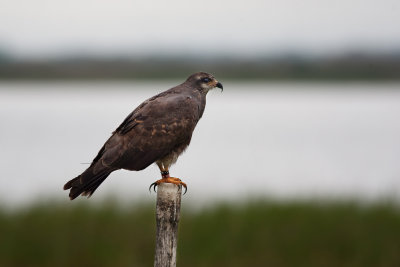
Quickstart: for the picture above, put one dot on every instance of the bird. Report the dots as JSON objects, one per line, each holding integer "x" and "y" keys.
{"x": 157, "y": 131}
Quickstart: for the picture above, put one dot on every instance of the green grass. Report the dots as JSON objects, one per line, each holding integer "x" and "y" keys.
{"x": 263, "y": 233}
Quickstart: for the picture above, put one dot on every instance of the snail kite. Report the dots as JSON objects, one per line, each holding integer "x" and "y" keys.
{"x": 158, "y": 130}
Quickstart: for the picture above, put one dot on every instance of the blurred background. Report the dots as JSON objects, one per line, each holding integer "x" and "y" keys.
{"x": 296, "y": 163}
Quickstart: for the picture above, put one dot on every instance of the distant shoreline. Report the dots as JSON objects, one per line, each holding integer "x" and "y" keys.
{"x": 345, "y": 68}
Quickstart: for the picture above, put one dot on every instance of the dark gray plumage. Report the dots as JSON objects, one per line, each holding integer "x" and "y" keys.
{"x": 158, "y": 130}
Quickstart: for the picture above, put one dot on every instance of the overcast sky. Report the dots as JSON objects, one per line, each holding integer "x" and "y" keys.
{"x": 109, "y": 27}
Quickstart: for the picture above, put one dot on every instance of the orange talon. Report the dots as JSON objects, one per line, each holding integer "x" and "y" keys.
{"x": 171, "y": 180}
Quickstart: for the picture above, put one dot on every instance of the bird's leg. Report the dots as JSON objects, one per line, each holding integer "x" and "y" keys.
{"x": 165, "y": 178}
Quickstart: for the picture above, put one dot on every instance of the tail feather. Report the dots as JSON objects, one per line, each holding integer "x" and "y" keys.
{"x": 86, "y": 183}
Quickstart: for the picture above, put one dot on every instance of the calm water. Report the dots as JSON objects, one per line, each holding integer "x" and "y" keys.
{"x": 275, "y": 140}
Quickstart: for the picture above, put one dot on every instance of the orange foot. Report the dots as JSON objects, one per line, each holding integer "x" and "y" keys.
{"x": 171, "y": 180}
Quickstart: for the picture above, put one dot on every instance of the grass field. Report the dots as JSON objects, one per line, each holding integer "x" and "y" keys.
{"x": 256, "y": 233}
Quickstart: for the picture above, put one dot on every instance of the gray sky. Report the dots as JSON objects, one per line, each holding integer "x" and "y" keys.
{"x": 51, "y": 27}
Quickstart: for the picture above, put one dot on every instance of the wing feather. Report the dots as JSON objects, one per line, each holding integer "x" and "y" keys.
{"x": 154, "y": 129}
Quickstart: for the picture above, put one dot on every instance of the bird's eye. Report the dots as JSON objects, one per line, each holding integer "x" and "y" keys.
{"x": 206, "y": 80}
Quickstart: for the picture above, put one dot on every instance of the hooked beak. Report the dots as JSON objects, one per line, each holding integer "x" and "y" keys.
{"x": 219, "y": 85}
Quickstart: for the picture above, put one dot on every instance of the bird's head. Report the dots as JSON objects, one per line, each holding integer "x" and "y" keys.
{"x": 204, "y": 81}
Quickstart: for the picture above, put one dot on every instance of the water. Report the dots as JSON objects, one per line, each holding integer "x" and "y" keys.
{"x": 281, "y": 140}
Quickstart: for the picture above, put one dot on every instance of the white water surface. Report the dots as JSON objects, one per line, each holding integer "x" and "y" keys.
{"x": 284, "y": 140}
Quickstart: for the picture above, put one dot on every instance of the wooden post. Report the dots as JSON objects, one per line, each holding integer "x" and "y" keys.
{"x": 167, "y": 218}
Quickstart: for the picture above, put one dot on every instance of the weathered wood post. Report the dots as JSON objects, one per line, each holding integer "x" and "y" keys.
{"x": 167, "y": 218}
